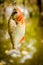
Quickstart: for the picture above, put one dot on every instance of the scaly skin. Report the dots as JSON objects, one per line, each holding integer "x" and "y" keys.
{"x": 16, "y": 28}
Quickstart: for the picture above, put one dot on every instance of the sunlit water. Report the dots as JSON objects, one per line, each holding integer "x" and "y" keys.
{"x": 24, "y": 54}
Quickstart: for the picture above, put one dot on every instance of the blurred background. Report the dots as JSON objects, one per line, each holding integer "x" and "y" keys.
{"x": 31, "y": 51}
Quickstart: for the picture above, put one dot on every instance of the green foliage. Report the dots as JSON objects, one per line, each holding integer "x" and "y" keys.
{"x": 33, "y": 31}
